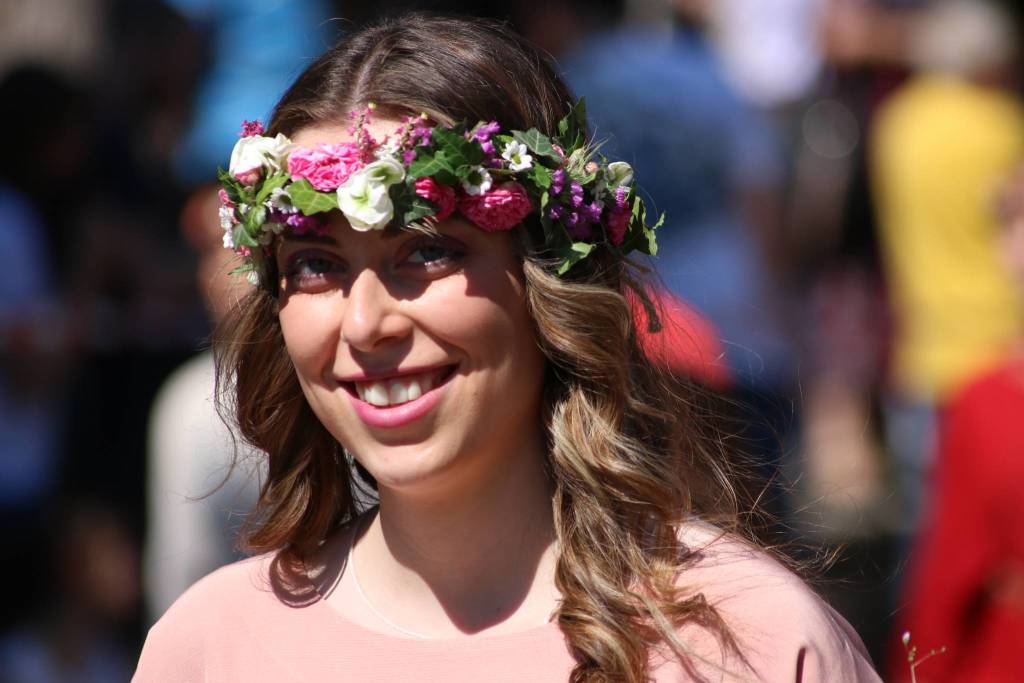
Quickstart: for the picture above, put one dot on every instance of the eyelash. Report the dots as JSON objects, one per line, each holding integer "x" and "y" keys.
{"x": 450, "y": 254}
{"x": 297, "y": 268}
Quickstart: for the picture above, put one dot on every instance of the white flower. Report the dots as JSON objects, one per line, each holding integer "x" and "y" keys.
{"x": 227, "y": 217}
{"x": 619, "y": 173}
{"x": 364, "y": 197}
{"x": 256, "y": 151}
{"x": 281, "y": 200}
{"x": 478, "y": 182}
{"x": 253, "y": 277}
{"x": 229, "y": 239}
{"x": 517, "y": 155}
{"x": 386, "y": 150}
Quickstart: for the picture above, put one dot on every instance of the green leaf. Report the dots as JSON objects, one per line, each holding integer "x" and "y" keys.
{"x": 309, "y": 200}
{"x": 243, "y": 238}
{"x": 575, "y": 253}
{"x": 458, "y": 151}
{"x": 538, "y": 143}
{"x": 433, "y": 165}
{"x": 540, "y": 176}
{"x": 409, "y": 206}
{"x": 272, "y": 183}
{"x": 574, "y": 123}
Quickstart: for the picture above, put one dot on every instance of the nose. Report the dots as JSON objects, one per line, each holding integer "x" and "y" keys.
{"x": 372, "y": 316}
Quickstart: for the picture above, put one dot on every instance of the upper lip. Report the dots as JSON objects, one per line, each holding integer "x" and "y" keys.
{"x": 382, "y": 375}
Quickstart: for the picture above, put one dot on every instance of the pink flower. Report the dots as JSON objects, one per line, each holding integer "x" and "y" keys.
{"x": 617, "y": 221}
{"x": 503, "y": 207}
{"x": 438, "y": 193}
{"x": 249, "y": 178}
{"x": 326, "y": 167}
{"x": 222, "y": 194}
{"x": 251, "y": 128}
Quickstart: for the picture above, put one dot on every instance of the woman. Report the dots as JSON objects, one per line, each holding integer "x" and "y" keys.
{"x": 540, "y": 484}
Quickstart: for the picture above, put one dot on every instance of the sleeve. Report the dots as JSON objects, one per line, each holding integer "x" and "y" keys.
{"x": 957, "y": 548}
{"x": 832, "y": 652}
{"x": 783, "y": 630}
{"x": 173, "y": 652}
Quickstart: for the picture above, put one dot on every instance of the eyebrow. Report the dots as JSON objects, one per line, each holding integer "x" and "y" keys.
{"x": 310, "y": 237}
{"x": 389, "y": 233}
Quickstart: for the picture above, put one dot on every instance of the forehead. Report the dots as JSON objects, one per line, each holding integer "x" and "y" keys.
{"x": 379, "y": 127}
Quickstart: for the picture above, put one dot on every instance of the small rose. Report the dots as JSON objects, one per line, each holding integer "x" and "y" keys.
{"x": 502, "y": 208}
{"x": 441, "y": 195}
{"x": 254, "y": 153}
{"x": 326, "y": 167}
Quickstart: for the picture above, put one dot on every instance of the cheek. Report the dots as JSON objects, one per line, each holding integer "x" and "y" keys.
{"x": 309, "y": 335}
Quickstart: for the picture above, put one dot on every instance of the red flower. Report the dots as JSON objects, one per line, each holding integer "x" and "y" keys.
{"x": 503, "y": 207}
{"x": 441, "y": 195}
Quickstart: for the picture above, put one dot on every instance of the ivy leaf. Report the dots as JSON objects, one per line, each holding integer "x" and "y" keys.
{"x": 458, "y": 151}
{"x": 538, "y": 143}
{"x": 409, "y": 206}
{"x": 272, "y": 183}
{"x": 309, "y": 200}
{"x": 435, "y": 165}
{"x": 243, "y": 238}
{"x": 540, "y": 176}
{"x": 576, "y": 252}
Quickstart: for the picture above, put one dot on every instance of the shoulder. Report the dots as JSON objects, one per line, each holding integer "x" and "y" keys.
{"x": 783, "y": 629}
{"x": 177, "y": 645}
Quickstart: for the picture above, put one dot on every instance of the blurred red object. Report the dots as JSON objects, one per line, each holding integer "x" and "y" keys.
{"x": 965, "y": 588}
{"x": 687, "y": 343}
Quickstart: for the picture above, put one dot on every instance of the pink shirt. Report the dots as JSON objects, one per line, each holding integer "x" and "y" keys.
{"x": 232, "y": 627}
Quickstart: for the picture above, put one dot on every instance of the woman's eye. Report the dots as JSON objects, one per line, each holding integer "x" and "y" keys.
{"x": 304, "y": 272}
{"x": 433, "y": 255}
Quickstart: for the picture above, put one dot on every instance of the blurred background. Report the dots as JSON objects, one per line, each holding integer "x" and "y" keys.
{"x": 846, "y": 238}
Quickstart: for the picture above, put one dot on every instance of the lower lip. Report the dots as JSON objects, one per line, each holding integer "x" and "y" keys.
{"x": 390, "y": 417}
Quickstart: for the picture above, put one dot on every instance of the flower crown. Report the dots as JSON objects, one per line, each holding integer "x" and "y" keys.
{"x": 424, "y": 173}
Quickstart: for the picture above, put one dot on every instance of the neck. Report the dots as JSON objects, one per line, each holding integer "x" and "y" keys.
{"x": 479, "y": 555}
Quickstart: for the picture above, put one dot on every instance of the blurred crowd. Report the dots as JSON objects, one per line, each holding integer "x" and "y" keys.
{"x": 844, "y": 185}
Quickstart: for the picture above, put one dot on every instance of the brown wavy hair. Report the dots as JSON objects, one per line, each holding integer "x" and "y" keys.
{"x": 628, "y": 448}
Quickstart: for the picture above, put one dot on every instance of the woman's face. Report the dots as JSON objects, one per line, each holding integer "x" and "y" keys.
{"x": 415, "y": 351}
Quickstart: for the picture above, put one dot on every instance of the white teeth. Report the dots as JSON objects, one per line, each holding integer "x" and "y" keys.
{"x": 397, "y": 391}
{"x": 377, "y": 394}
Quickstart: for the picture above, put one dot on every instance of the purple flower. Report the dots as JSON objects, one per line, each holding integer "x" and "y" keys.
{"x": 484, "y": 132}
{"x": 576, "y": 192}
{"x": 488, "y": 147}
{"x": 579, "y": 229}
{"x": 556, "y": 211}
{"x": 421, "y": 135}
{"x": 302, "y": 224}
{"x": 408, "y": 156}
{"x": 591, "y": 212}
{"x": 557, "y": 181}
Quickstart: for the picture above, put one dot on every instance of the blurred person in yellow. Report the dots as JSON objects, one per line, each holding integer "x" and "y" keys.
{"x": 941, "y": 147}
{"x": 965, "y": 591}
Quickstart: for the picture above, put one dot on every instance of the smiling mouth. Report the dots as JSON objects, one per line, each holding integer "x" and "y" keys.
{"x": 394, "y": 391}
